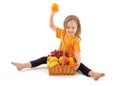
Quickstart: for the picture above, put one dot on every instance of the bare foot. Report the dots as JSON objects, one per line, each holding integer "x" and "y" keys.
{"x": 96, "y": 75}
{"x": 19, "y": 66}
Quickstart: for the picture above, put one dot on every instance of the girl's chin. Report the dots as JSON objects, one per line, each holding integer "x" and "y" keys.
{"x": 71, "y": 35}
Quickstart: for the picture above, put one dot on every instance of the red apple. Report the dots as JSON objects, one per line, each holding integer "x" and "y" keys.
{"x": 63, "y": 60}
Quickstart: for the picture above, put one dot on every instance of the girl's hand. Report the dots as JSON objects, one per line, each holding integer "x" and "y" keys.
{"x": 76, "y": 66}
{"x": 53, "y": 12}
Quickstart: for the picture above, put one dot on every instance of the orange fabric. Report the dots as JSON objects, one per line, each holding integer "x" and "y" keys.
{"x": 70, "y": 44}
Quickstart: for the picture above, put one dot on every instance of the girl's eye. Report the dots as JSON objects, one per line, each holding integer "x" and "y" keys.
{"x": 68, "y": 27}
{"x": 73, "y": 27}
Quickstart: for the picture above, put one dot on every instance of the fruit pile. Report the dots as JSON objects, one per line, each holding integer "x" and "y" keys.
{"x": 60, "y": 63}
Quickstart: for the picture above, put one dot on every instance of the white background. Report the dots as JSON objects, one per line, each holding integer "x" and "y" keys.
{"x": 25, "y": 35}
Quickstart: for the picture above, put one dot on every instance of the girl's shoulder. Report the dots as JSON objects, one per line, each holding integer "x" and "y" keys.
{"x": 59, "y": 32}
{"x": 59, "y": 29}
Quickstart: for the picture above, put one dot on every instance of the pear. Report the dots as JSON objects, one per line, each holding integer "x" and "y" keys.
{"x": 53, "y": 64}
{"x": 52, "y": 59}
{"x": 71, "y": 59}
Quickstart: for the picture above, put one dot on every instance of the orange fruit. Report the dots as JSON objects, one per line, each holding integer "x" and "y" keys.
{"x": 54, "y": 7}
{"x": 71, "y": 63}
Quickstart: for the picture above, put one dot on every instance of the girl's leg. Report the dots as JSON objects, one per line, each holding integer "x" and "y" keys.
{"x": 88, "y": 72}
{"x": 30, "y": 64}
{"x": 37, "y": 62}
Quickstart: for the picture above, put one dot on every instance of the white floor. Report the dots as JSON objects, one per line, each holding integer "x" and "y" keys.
{"x": 9, "y": 76}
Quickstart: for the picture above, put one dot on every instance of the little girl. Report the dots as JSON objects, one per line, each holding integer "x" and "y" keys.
{"x": 69, "y": 41}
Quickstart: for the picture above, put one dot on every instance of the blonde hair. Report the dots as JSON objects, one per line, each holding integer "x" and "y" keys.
{"x": 76, "y": 19}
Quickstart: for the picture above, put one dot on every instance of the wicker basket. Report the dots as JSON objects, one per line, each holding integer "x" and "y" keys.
{"x": 62, "y": 70}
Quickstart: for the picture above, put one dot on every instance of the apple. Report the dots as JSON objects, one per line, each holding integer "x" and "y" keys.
{"x": 63, "y": 60}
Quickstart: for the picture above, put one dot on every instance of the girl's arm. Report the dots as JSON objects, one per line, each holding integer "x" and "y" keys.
{"x": 52, "y": 26}
{"x": 78, "y": 59}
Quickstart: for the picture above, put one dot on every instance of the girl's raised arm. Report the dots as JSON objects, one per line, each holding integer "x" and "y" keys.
{"x": 52, "y": 26}
{"x": 54, "y": 8}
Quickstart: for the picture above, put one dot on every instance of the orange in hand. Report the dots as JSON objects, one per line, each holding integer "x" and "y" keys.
{"x": 54, "y": 7}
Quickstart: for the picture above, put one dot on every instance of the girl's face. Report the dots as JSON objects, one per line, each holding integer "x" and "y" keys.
{"x": 71, "y": 28}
